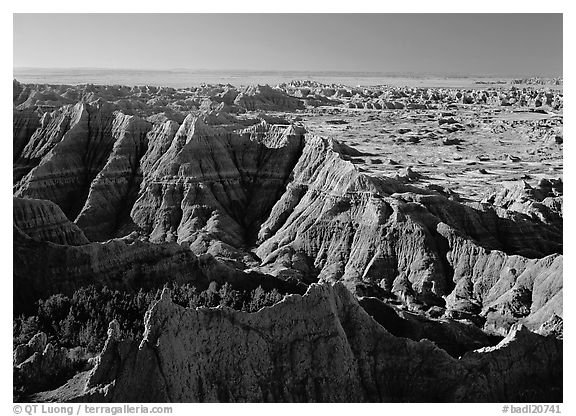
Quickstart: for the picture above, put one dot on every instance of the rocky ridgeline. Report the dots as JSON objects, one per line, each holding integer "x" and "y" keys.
{"x": 320, "y": 347}
{"x": 110, "y": 198}
{"x": 419, "y": 98}
{"x": 381, "y": 237}
{"x": 155, "y": 102}
{"x": 175, "y": 104}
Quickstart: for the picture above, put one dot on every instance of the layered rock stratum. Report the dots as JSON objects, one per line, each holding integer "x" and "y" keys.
{"x": 134, "y": 187}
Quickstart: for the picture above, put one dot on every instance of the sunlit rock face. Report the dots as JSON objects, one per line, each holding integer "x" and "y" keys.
{"x": 210, "y": 182}
{"x": 320, "y": 347}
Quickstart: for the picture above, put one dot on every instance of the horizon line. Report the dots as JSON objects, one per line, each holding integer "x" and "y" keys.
{"x": 279, "y": 71}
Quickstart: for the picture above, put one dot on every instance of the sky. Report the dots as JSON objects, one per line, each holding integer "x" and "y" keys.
{"x": 474, "y": 44}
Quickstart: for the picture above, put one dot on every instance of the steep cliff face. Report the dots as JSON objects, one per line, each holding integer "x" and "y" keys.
{"x": 49, "y": 131}
{"x": 115, "y": 187}
{"x": 380, "y": 236}
{"x": 43, "y": 220}
{"x": 85, "y": 158}
{"x": 503, "y": 288}
{"x": 211, "y": 183}
{"x": 318, "y": 347}
{"x": 25, "y": 123}
{"x": 214, "y": 186}
{"x": 64, "y": 174}
{"x": 200, "y": 180}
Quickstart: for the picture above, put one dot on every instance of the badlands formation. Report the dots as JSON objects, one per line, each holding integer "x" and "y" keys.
{"x": 415, "y": 235}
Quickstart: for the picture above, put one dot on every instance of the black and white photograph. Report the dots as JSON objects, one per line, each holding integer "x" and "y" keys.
{"x": 287, "y": 208}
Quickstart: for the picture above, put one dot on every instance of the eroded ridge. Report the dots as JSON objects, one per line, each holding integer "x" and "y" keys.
{"x": 319, "y": 347}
